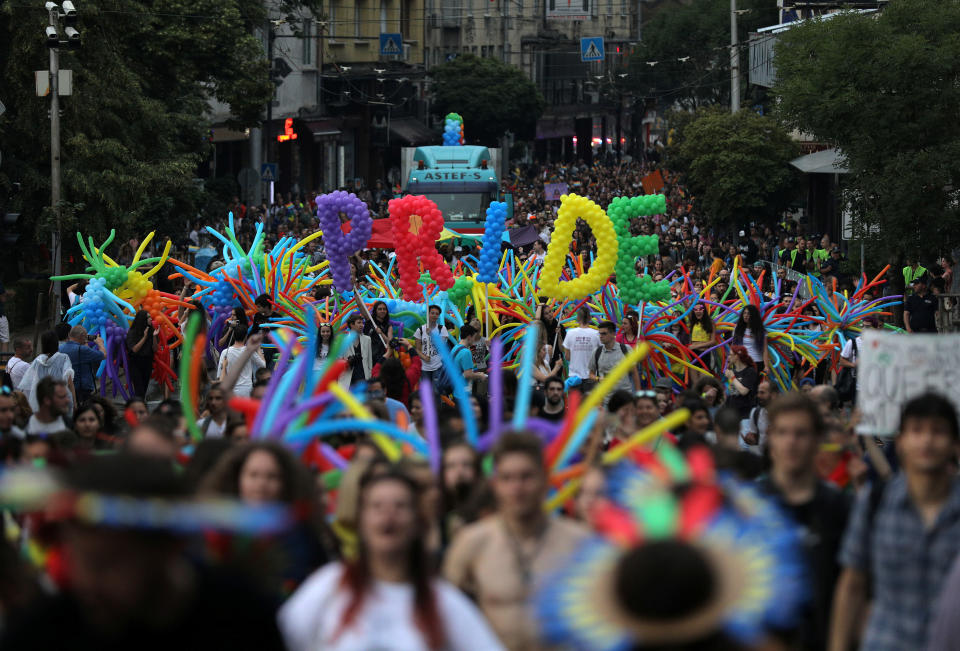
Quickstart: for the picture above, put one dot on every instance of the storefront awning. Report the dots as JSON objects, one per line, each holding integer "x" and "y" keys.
{"x": 413, "y": 132}
{"x": 324, "y": 129}
{"x": 828, "y": 161}
{"x": 223, "y": 134}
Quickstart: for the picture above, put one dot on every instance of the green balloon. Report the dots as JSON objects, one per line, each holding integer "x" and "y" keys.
{"x": 621, "y": 210}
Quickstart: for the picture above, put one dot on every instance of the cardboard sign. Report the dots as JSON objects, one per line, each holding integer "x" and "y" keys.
{"x": 553, "y": 191}
{"x": 895, "y": 367}
{"x": 652, "y": 183}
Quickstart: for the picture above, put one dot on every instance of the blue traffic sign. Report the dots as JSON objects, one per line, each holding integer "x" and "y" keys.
{"x": 268, "y": 172}
{"x": 591, "y": 48}
{"x": 391, "y": 45}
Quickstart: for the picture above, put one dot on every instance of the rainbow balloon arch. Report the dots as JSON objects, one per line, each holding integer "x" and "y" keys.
{"x": 303, "y": 403}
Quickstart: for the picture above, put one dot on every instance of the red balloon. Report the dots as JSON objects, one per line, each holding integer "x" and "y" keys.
{"x": 421, "y": 246}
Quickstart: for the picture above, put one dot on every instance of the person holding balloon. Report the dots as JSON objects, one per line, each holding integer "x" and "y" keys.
{"x": 140, "y": 347}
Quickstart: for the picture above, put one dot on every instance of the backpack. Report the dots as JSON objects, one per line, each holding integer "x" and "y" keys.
{"x": 599, "y": 350}
{"x": 442, "y": 382}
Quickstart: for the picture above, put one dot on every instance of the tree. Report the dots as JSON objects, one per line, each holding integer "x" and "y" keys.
{"x": 493, "y": 97}
{"x": 138, "y": 123}
{"x": 684, "y": 56}
{"x": 737, "y": 166}
{"x": 883, "y": 89}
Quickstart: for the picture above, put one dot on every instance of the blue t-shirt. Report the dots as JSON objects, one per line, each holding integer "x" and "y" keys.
{"x": 85, "y": 362}
{"x": 395, "y": 407}
{"x": 463, "y": 358}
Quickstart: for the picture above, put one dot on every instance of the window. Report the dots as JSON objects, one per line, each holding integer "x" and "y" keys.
{"x": 332, "y": 27}
{"x": 383, "y": 16}
{"x": 308, "y": 41}
{"x": 356, "y": 19}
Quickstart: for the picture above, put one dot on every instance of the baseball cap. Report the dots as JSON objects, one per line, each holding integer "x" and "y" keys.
{"x": 742, "y": 233}
{"x": 921, "y": 279}
{"x": 664, "y": 384}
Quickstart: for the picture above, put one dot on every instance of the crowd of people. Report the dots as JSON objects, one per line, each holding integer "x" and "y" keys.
{"x": 385, "y": 553}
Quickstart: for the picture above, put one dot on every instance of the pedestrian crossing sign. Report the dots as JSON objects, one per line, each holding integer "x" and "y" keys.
{"x": 391, "y": 45}
{"x": 591, "y": 48}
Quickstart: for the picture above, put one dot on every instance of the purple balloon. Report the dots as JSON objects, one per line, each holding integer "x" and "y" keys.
{"x": 340, "y": 246}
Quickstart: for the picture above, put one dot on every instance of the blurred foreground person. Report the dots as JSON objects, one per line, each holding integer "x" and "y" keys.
{"x": 903, "y": 536}
{"x": 501, "y": 559}
{"x": 133, "y": 588}
{"x": 387, "y": 598}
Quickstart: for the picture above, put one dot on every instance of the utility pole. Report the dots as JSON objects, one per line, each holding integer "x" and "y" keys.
{"x": 734, "y": 60}
{"x": 55, "y": 164}
{"x": 54, "y": 42}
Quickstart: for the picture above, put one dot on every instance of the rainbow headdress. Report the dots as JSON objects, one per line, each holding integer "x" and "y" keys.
{"x": 616, "y": 591}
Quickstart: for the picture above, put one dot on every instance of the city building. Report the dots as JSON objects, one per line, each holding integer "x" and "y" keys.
{"x": 346, "y": 101}
{"x": 585, "y": 107}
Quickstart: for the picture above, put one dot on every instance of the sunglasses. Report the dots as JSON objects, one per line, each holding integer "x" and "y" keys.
{"x": 649, "y": 393}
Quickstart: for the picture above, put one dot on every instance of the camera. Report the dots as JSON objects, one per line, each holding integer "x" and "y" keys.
{"x": 73, "y": 37}
{"x": 394, "y": 343}
{"x": 53, "y": 39}
{"x": 69, "y": 12}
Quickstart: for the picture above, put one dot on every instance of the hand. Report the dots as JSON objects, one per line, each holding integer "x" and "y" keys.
{"x": 98, "y": 341}
{"x": 729, "y": 374}
{"x": 255, "y": 340}
{"x": 156, "y": 332}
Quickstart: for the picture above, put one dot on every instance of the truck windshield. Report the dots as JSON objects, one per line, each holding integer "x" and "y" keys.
{"x": 462, "y": 207}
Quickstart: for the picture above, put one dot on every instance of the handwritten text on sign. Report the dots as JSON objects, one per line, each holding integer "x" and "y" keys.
{"x": 896, "y": 367}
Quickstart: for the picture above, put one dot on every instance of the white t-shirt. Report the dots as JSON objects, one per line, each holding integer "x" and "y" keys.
{"x": 16, "y": 367}
{"x": 849, "y": 354}
{"x": 214, "y": 430}
{"x": 34, "y": 426}
{"x": 753, "y": 348}
{"x": 582, "y": 343}
{"x": 311, "y": 617}
{"x": 748, "y": 426}
{"x": 244, "y": 384}
{"x": 426, "y": 344}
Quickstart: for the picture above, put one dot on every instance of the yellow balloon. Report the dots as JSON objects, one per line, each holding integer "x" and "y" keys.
{"x": 573, "y": 206}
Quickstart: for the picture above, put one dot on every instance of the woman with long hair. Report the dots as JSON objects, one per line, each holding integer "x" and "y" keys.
{"x": 265, "y": 472}
{"x": 543, "y": 369}
{"x": 750, "y": 333}
{"x": 743, "y": 380}
{"x": 703, "y": 335}
{"x": 387, "y": 598}
{"x": 236, "y": 323}
{"x": 379, "y": 329}
{"x": 88, "y": 426}
{"x": 326, "y": 336}
{"x": 140, "y": 345}
{"x": 629, "y": 334}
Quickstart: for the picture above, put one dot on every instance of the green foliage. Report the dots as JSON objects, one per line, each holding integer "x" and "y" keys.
{"x": 737, "y": 165}
{"x": 699, "y": 32}
{"x": 137, "y": 124}
{"x": 883, "y": 89}
{"x": 492, "y": 97}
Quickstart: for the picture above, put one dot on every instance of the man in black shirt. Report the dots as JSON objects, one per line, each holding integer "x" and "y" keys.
{"x": 554, "y": 409}
{"x": 920, "y": 309}
{"x": 263, "y": 316}
{"x": 794, "y": 434}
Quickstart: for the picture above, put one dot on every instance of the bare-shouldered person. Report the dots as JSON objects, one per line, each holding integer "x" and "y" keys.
{"x": 501, "y": 560}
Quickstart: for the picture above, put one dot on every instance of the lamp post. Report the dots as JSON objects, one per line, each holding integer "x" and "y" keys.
{"x": 63, "y": 18}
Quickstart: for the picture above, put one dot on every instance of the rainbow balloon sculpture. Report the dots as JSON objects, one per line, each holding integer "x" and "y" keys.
{"x": 307, "y": 399}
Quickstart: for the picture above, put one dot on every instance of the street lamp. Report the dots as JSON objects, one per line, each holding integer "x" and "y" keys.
{"x": 67, "y": 15}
